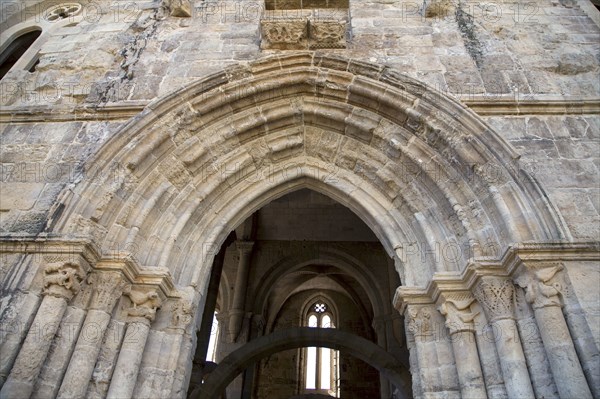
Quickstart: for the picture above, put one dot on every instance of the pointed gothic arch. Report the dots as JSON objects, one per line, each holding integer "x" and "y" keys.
{"x": 401, "y": 156}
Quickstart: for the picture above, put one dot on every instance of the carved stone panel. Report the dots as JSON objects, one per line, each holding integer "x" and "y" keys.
{"x": 290, "y": 34}
{"x": 327, "y": 34}
{"x": 302, "y": 33}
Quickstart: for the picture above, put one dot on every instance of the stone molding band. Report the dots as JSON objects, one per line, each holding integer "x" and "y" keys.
{"x": 483, "y": 106}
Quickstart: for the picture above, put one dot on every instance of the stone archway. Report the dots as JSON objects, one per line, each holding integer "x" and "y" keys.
{"x": 301, "y": 337}
{"x": 421, "y": 170}
{"x": 416, "y": 166}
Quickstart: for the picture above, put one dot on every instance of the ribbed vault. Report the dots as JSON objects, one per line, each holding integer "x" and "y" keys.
{"x": 417, "y": 167}
{"x": 329, "y": 256}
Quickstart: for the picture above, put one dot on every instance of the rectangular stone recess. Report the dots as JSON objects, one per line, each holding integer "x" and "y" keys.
{"x": 305, "y": 4}
{"x": 304, "y": 29}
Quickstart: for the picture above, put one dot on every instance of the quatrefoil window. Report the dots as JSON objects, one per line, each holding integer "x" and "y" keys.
{"x": 320, "y": 307}
{"x": 63, "y": 11}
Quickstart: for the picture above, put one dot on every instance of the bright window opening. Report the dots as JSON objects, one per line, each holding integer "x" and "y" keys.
{"x": 211, "y": 353}
{"x": 321, "y": 373}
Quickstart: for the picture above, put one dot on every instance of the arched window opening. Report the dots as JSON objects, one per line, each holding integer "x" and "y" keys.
{"x": 321, "y": 367}
{"x": 211, "y": 353}
{"x": 15, "y": 51}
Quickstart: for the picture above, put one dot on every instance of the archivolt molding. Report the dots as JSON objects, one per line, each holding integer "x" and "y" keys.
{"x": 416, "y": 166}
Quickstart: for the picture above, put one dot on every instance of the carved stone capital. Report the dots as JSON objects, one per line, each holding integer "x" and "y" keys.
{"x": 108, "y": 288}
{"x": 495, "y": 294}
{"x": 456, "y": 308}
{"x": 540, "y": 288}
{"x": 182, "y": 313}
{"x": 145, "y": 303}
{"x": 63, "y": 279}
{"x": 419, "y": 320}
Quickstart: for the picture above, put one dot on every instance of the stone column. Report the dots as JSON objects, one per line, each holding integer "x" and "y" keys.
{"x": 413, "y": 361}
{"x": 108, "y": 287}
{"x": 140, "y": 316}
{"x": 61, "y": 282}
{"x": 496, "y": 296}
{"x": 459, "y": 321}
{"x": 237, "y": 311}
{"x": 564, "y": 363}
{"x": 490, "y": 363}
{"x": 181, "y": 316}
{"x": 380, "y": 330}
{"x": 420, "y": 326}
{"x": 62, "y": 347}
{"x": 533, "y": 347}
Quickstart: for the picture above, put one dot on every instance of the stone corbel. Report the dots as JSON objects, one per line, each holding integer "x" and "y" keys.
{"x": 308, "y": 30}
{"x": 284, "y": 34}
{"x": 327, "y": 33}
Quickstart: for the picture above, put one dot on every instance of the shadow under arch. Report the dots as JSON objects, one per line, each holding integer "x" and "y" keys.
{"x": 329, "y": 256}
{"x": 300, "y": 337}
